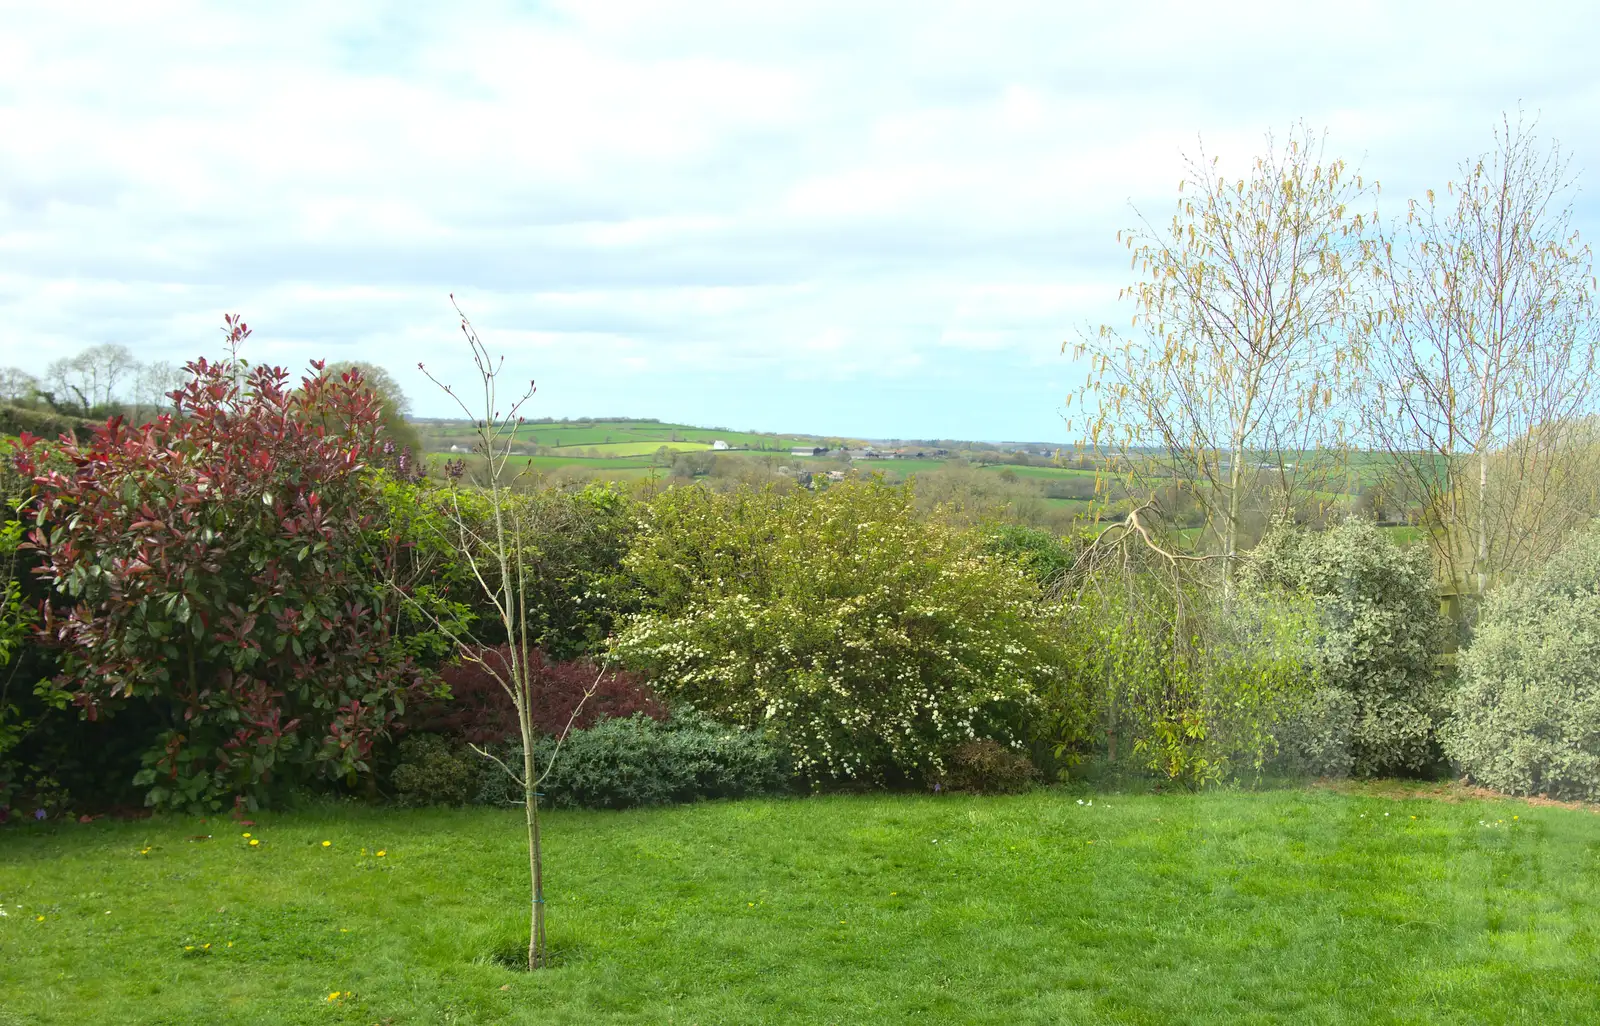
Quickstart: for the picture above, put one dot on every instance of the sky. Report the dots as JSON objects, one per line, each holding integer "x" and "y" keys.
{"x": 854, "y": 218}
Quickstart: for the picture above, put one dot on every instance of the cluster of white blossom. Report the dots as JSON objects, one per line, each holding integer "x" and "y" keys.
{"x": 868, "y": 640}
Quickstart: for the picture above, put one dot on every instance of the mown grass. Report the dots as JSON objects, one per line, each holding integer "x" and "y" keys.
{"x": 1287, "y": 906}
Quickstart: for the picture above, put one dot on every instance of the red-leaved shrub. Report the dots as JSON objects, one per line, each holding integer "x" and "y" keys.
{"x": 225, "y": 564}
{"x": 480, "y": 711}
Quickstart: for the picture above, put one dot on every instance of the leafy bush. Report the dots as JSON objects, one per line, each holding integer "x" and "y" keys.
{"x": 15, "y": 420}
{"x": 225, "y": 565}
{"x": 571, "y": 546}
{"x": 1525, "y": 715}
{"x": 15, "y": 621}
{"x": 868, "y": 640}
{"x": 436, "y": 771}
{"x": 1045, "y": 555}
{"x": 639, "y": 761}
{"x": 1380, "y": 631}
{"x": 478, "y": 709}
{"x": 983, "y": 766}
{"x": 1189, "y": 686}
{"x": 1316, "y": 738}
{"x": 615, "y": 764}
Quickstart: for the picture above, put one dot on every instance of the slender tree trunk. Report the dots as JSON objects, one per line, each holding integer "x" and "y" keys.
{"x": 530, "y": 801}
{"x": 1231, "y": 542}
{"x": 1482, "y": 559}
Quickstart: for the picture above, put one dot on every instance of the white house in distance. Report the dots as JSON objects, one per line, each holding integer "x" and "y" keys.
{"x": 719, "y": 444}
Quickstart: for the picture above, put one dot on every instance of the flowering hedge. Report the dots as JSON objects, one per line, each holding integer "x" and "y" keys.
{"x": 870, "y": 642}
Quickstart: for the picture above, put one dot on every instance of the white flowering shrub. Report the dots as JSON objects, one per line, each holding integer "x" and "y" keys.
{"x": 1525, "y": 714}
{"x": 868, "y": 642}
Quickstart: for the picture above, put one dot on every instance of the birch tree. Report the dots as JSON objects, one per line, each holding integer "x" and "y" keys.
{"x": 1482, "y": 346}
{"x": 1236, "y": 358}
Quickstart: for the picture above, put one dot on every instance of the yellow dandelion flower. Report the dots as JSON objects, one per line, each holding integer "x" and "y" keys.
{"x": 247, "y": 833}
{"x": 230, "y": 944}
{"x": 254, "y": 841}
{"x": 382, "y": 853}
{"x": 327, "y": 844}
{"x": 38, "y": 919}
{"x": 188, "y": 947}
{"x": 333, "y": 996}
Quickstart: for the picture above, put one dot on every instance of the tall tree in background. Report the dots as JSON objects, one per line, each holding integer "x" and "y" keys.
{"x": 153, "y": 385}
{"x": 1241, "y": 355}
{"x": 1481, "y": 349}
{"x": 396, "y": 405}
{"x": 92, "y": 378}
{"x": 17, "y": 385}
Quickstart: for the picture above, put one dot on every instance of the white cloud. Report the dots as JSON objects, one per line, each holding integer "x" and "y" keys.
{"x": 887, "y": 214}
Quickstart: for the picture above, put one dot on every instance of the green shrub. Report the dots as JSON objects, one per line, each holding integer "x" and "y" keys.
{"x": 1176, "y": 680}
{"x": 571, "y": 544}
{"x": 435, "y": 771}
{"x": 1315, "y": 738}
{"x": 870, "y": 641}
{"x": 987, "y": 767}
{"x": 1525, "y": 714}
{"x": 1045, "y": 555}
{"x": 635, "y": 760}
{"x": 14, "y": 420}
{"x": 1379, "y": 634}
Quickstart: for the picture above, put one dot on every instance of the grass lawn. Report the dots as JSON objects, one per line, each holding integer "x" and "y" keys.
{"x": 1273, "y": 907}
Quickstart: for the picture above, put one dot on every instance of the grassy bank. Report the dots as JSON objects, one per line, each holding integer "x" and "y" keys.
{"x": 1292, "y": 906}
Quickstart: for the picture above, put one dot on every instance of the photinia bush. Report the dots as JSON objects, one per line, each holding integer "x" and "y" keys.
{"x": 227, "y": 564}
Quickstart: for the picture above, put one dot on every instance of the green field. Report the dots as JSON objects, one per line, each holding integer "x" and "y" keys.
{"x": 619, "y": 469}
{"x": 623, "y": 433}
{"x": 1056, "y": 907}
{"x": 615, "y": 449}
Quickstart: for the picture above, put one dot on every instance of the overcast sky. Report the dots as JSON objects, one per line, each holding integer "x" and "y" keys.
{"x": 855, "y": 218}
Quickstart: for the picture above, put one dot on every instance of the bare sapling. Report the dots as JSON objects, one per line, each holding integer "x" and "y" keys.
{"x": 492, "y": 548}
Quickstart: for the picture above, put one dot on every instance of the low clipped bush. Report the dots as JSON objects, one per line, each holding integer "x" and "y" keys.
{"x": 435, "y": 770}
{"x": 987, "y": 767}
{"x": 1525, "y": 714}
{"x": 614, "y": 764}
{"x": 622, "y": 763}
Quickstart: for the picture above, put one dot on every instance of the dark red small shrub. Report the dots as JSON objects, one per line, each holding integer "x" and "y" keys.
{"x": 480, "y": 711}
